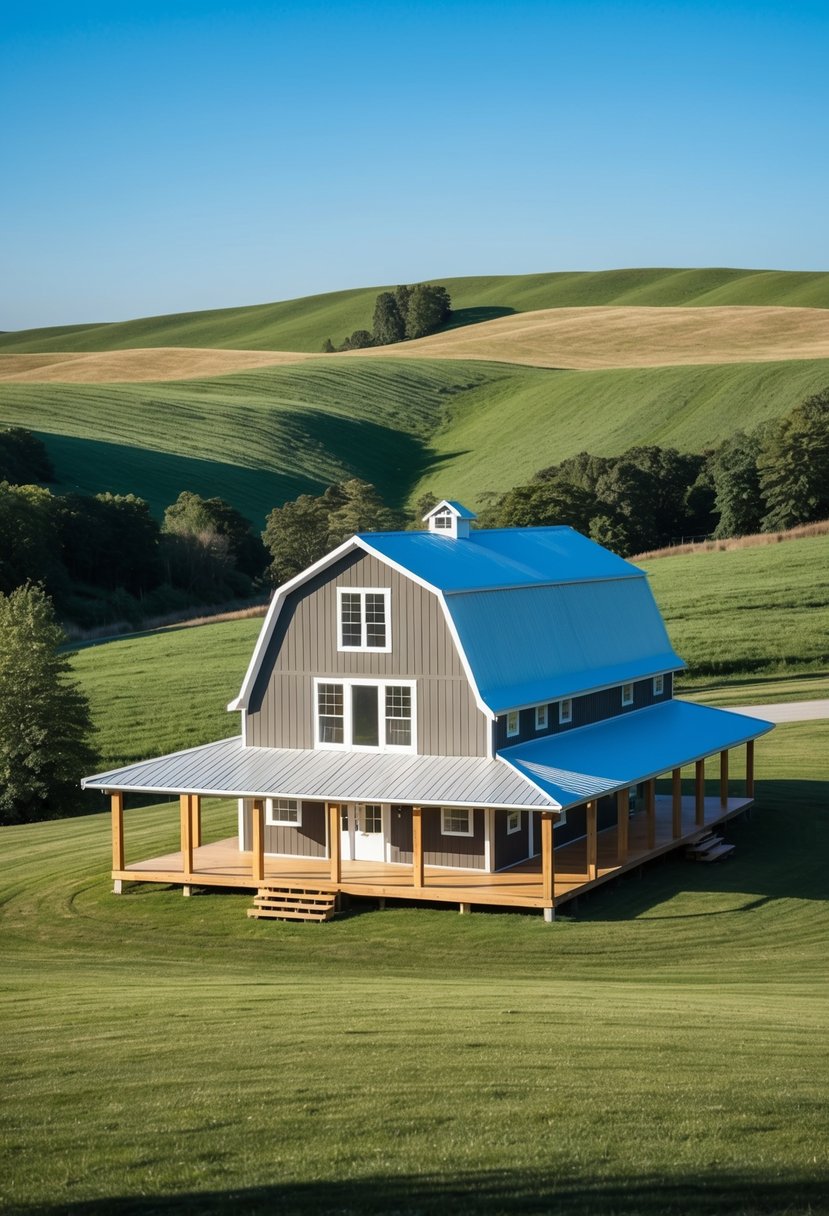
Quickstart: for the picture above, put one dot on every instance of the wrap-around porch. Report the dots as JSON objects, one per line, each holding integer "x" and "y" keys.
{"x": 549, "y": 879}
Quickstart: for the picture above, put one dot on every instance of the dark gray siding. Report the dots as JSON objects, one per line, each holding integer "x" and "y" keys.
{"x": 576, "y": 825}
{"x": 304, "y": 645}
{"x": 438, "y": 850}
{"x": 309, "y": 840}
{"x": 458, "y": 851}
{"x": 594, "y": 707}
{"x": 509, "y": 849}
{"x": 400, "y": 836}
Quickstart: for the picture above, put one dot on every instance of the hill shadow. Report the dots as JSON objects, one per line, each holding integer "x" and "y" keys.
{"x": 94, "y": 466}
{"x": 460, "y": 317}
{"x": 391, "y": 460}
{"x": 778, "y": 856}
{"x": 484, "y": 1193}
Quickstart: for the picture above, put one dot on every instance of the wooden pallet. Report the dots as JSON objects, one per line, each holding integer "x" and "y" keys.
{"x": 709, "y": 847}
{"x": 293, "y": 903}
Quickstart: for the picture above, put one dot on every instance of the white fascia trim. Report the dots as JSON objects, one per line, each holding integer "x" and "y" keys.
{"x": 447, "y": 616}
{"x": 586, "y": 692}
{"x": 272, "y": 615}
{"x": 554, "y": 804}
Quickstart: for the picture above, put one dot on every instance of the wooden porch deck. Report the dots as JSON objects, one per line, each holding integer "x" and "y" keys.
{"x": 220, "y": 864}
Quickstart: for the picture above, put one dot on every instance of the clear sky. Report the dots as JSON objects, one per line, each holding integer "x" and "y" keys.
{"x": 167, "y": 157}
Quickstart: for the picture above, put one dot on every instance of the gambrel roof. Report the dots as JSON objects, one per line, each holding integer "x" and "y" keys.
{"x": 550, "y": 773}
{"x": 537, "y": 614}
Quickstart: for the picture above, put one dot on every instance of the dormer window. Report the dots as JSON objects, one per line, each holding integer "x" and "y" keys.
{"x": 363, "y": 619}
{"x": 450, "y": 519}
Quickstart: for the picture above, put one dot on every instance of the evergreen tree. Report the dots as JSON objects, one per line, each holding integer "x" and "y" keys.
{"x": 362, "y": 510}
{"x": 794, "y": 466}
{"x": 739, "y": 500}
{"x": 44, "y": 717}
{"x": 388, "y": 326}
{"x": 328, "y": 347}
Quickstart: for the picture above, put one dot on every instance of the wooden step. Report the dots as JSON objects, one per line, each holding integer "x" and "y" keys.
{"x": 718, "y": 853}
{"x": 293, "y": 903}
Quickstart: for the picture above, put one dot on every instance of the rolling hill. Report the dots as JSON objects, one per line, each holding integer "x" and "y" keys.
{"x": 407, "y": 425}
{"x": 303, "y": 324}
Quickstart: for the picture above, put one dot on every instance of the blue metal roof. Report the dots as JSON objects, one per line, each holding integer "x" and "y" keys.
{"x": 500, "y": 557}
{"x": 538, "y": 644}
{"x": 590, "y": 761}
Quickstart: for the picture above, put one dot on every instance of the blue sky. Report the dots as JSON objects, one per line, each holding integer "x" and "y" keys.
{"x": 159, "y": 158}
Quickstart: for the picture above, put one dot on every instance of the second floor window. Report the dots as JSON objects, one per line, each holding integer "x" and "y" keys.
{"x": 363, "y": 619}
{"x": 627, "y": 694}
{"x": 365, "y": 714}
{"x": 565, "y": 711}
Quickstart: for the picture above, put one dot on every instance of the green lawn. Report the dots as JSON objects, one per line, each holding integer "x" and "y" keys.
{"x": 758, "y": 610}
{"x": 459, "y": 429}
{"x": 663, "y": 1053}
{"x": 305, "y": 323}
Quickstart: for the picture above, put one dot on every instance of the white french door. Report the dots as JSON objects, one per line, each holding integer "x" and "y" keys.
{"x": 363, "y": 831}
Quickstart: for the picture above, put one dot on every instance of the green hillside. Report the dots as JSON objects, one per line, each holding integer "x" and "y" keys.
{"x": 662, "y": 1055}
{"x": 458, "y": 428}
{"x": 304, "y": 324}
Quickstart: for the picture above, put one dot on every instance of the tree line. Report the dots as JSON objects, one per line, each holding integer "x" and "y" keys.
{"x": 407, "y": 312}
{"x": 770, "y": 479}
{"x": 104, "y": 557}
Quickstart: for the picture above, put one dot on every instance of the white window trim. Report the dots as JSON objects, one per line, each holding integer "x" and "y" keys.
{"x": 363, "y": 648}
{"x": 563, "y": 719}
{"x": 542, "y": 717}
{"x": 627, "y": 700}
{"x": 454, "y": 810}
{"x": 272, "y": 822}
{"x": 660, "y": 680}
{"x": 511, "y": 831}
{"x": 346, "y": 746}
{"x": 511, "y": 734}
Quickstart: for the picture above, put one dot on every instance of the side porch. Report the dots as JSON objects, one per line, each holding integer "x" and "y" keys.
{"x": 554, "y": 875}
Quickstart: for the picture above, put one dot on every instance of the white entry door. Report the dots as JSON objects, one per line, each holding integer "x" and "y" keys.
{"x": 368, "y": 836}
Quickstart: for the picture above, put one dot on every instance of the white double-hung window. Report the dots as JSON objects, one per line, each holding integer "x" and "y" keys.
{"x": 363, "y": 619}
{"x": 364, "y": 714}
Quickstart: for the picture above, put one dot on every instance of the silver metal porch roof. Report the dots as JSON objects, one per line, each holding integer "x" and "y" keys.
{"x": 227, "y": 769}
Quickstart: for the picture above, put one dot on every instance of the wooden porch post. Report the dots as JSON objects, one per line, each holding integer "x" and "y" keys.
{"x": 724, "y": 777}
{"x": 592, "y": 842}
{"x": 750, "y": 769}
{"x": 699, "y": 793}
{"x": 676, "y": 803}
{"x": 650, "y": 811}
{"x": 186, "y": 835}
{"x": 548, "y": 861}
{"x": 195, "y": 820}
{"x": 334, "y": 851}
{"x": 418, "y": 876}
{"x": 622, "y": 817}
{"x": 116, "y": 802}
{"x": 257, "y": 840}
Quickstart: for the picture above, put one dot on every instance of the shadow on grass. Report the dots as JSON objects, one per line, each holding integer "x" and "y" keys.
{"x": 489, "y": 1193}
{"x": 778, "y": 856}
{"x": 474, "y": 316}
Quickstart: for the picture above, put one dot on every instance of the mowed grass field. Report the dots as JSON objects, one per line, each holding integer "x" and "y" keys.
{"x": 458, "y": 429}
{"x": 303, "y": 324}
{"x": 742, "y": 615}
{"x": 665, "y": 1052}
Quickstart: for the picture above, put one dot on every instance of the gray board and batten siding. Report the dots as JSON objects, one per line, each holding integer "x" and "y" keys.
{"x": 308, "y": 840}
{"x": 590, "y": 708}
{"x": 304, "y": 645}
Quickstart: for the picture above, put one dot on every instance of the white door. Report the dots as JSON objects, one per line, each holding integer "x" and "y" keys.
{"x": 369, "y": 837}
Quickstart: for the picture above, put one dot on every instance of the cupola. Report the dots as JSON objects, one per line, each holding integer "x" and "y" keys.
{"x": 449, "y": 519}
